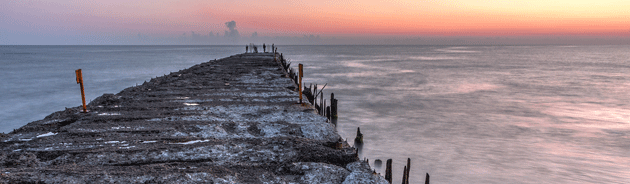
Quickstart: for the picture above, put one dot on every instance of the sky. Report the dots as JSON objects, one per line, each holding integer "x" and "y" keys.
{"x": 70, "y": 22}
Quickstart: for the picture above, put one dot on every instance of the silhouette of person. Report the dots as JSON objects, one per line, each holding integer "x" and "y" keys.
{"x": 264, "y": 48}
{"x": 246, "y": 48}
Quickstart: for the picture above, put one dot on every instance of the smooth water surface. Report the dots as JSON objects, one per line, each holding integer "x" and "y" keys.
{"x": 504, "y": 114}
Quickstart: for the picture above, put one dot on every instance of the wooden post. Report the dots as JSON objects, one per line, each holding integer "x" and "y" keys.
{"x": 321, "y": 103}
{"x": 315, "y": 98}
{"x": 324, "y": 109}
{"x": 300, "y": 78}
{"x": 310, "y": 90}
{"x": 328, "y": 113}
{"x": 359, "y": 138}
{"x": 388, "y": 170}
{"x": 333, "y": 106}
{"x": 426, "y": 181}
{"x": 80, "y": 81}
{"x": 404, "y": 175}
{"x": 407, "y": 171}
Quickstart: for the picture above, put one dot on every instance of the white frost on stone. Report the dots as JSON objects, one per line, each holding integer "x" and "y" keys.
{"x": 119, "y": 127}
{"x": 109, "y": 114}
{"x": 192, "y": 142}
{"x": 46, "y": 134}
{"x": 53, "y": 121}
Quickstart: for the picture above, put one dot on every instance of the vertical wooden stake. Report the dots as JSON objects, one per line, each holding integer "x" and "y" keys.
{"x": 300, "y": 78}
{"x": 80, "y": 81}
{"x": 333, "y": 106}
{"x": 315, "y": 98}
{"x": 407, "y": 171}
{"x": 426, "y": 181}
{"x": 321, "y": 102}
{"x": 388, "y": 171}
{"x": 404, "y": 175}
{"x": 328, "y": 113}
{"x": 324, "y": 109}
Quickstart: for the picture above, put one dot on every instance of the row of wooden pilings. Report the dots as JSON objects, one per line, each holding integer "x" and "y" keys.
{"x": 316, "y": 97}
{"x": 405, "y": 178}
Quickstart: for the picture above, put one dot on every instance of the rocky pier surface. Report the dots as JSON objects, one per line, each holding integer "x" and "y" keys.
{"x": 231, "y": 120}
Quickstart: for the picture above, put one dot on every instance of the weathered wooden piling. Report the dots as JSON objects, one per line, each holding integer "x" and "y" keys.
{"x": 321, "y": 103}
{"x": 404, "y": 177}
{"x": 359, "y": 138}
{"x": 333, "y": 106}
{"x": 407, "y": 170}
{"x": 300, "y": 85}
{"x": 328, "y": 113}
{"x": 426, "y": 180}
{"x": 388, "y": 170}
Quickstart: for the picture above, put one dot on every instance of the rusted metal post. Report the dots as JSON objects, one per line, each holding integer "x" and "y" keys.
{"x": 300, "y": 78}
{"x": 388, "y": 170}
{"x": 80, "y": 81}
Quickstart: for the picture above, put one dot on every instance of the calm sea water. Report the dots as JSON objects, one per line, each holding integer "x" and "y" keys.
{"x": 479, "y": 114}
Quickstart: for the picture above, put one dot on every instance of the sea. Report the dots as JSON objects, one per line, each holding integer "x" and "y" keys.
{"x": 462, "y": 114}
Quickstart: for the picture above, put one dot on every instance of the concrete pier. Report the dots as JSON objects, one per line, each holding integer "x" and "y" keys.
{"x": 232, "y": 120}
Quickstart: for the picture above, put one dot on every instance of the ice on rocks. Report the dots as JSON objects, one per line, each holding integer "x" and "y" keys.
{"x": 192, "y": 142}
{"x": 46, "y": 134}
{"x": 109, "y": 114}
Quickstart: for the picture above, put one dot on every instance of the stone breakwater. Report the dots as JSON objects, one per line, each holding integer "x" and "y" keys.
{"x": 231, "y": 120}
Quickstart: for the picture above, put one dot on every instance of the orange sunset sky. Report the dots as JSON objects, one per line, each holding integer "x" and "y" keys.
{"x": 173, "y": 22}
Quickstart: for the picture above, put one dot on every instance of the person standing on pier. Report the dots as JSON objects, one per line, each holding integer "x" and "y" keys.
{"x": 246, "y": 48}
{"x": 264, "y": 48}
